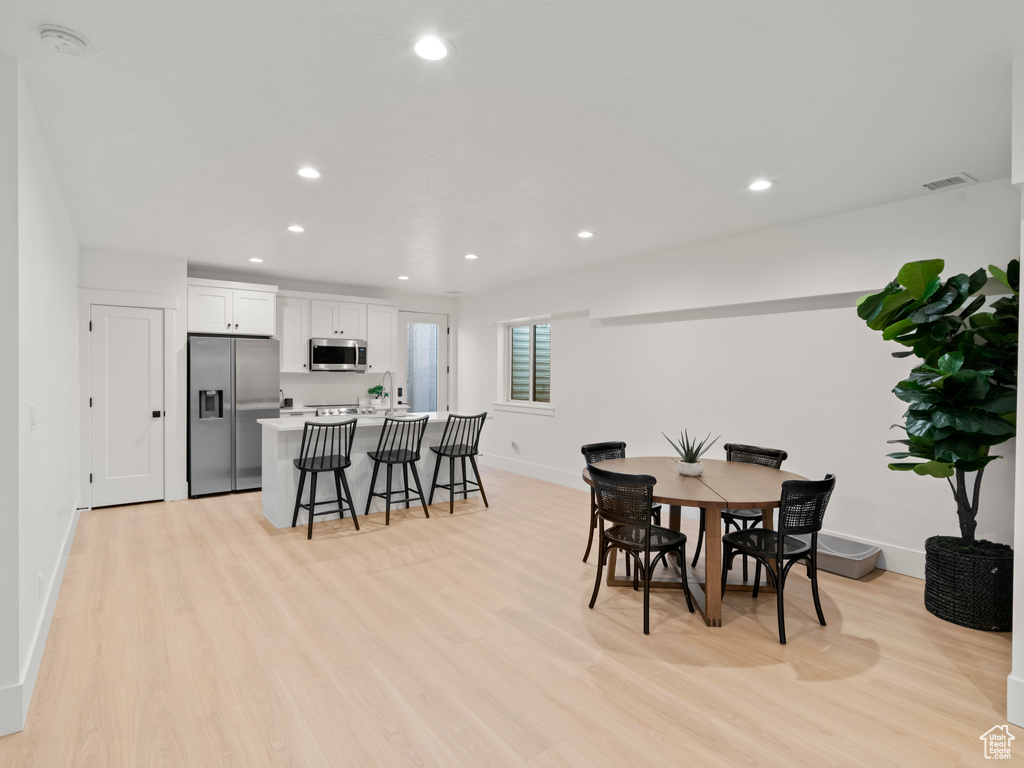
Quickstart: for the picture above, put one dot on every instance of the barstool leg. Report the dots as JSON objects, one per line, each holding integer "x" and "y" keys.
{"x": 451, "y": 485}
{"x": 433, "y": 483}
{"x": 416, "y": 478}
{"x": 387, "y": 500}
{"x": 405, "y": 479}
{"x": 298, "y": 497}
{"x": 337, "y": 488}
{"x": 348, "y": 497}
{"x": 472, "y": 460}
{"x": 312, "y": 504}
{"x": 465, "y": 487}
{"x": 373, "y": 483}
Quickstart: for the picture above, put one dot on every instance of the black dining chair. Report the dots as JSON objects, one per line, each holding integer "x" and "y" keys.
{"x": 461, "y": 440}
{"x": 399, "y": 443}
{"x": 801, "y": 511}
{"x": 593, "y": 453}
{"x": 741, "y": 519}
{"x": 625, "y": 501}
{"x": 325, "y": 448}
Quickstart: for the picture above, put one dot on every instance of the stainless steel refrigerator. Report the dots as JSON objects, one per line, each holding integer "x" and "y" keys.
{"x": 231, "y": 383}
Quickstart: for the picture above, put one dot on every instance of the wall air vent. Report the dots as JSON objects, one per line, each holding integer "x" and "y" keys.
{"x": 952, "y": 181}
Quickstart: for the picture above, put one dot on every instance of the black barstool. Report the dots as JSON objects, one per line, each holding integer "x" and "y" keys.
{"x": 399, "y": 443}
{"x": 325, "y": 448}
{"x": 461, "y": 440}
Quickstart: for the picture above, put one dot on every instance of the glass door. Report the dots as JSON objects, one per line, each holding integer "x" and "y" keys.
{"x": 425, "y": 363}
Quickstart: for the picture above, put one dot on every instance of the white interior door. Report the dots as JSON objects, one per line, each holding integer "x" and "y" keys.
{"x": 424, "y": 364}
{"x": 127, "y": 396}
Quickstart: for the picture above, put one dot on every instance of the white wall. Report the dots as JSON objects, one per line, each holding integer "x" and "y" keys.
{"x": 127, "y": 276}
{"x": 40, "y": 342}
{"x": 812, "y": 380}
{"x": 10, "y": 696}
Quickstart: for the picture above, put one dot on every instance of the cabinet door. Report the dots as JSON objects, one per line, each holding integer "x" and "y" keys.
{"x": 381, "y": 338}
{"x": 254, "y": 313}
{"x": 293, "y": 333}
{"x": 323, "y": 323}
{"x": 351, "y": 320}
{"x": 210, "y": 310}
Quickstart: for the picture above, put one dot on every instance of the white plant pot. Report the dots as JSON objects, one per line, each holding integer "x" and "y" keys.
{"x": 687, "y": 469}
{"x": 376, "y": 402}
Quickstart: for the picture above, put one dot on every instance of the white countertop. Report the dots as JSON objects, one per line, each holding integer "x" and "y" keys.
{"x": 293, "y": 424}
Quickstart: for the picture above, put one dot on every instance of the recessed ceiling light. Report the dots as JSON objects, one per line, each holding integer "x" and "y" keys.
{"x": 470, "y": 255}
{"x": 309, "y": 173}
{"x": 403, "y": 277}
{"x": 431, "y": 47}
{"x": 256, "y": 261}
{"x": 585, "y": 234}
{"x": 296, "y": 228}
{"x": 760, "y": 185}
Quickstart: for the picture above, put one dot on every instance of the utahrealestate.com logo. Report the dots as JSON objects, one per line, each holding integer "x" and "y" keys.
{"x": 997, "y": 742}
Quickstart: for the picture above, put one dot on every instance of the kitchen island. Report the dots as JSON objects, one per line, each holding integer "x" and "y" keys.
{"x": 282, "y": 441}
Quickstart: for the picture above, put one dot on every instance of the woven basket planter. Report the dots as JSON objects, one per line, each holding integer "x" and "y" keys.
{"x": 970, "y": 589}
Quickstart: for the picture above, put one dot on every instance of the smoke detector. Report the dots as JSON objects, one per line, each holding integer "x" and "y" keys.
{"x": 956, "y": 180}
{"x": 63, "y": 40}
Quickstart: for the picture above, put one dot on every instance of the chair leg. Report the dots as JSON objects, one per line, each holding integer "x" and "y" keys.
{"x": 348, "y": 498}
{"x": 451, "y": 485}
{"x": 814, "y": 590}
{"x": 757, "y": 578}
{"x": 726, "y": 564}
{"x": 312, "y": 504}
{"x": 298, "y": 497}
{"x": 387, "y": 498}
{"x": 480, "y": 485}
{"x": 686, "y": 580}
{"x": 593, "y": 524}
{"x": 465, "y": 485}
{"x": 602, "y": 553}
{"x": 745, "y": 576}
{"x": 700, "y": 540}
{"x": 780, "y": 581}
{"x": 647, "y": 588}
{"x": 405, "y": 479}
{"x": 433, "y": 483}
{"x": 416, "y": 479}
{"x": 373, "y": 483}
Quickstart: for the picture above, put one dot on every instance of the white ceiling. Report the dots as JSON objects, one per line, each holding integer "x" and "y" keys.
{"x": 181, "y": 130}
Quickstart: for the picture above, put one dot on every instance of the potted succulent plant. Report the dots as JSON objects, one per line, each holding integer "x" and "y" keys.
{"x": 378, "y": 395}
{"x": 690, "y": 451}
{"x": 961, "y": 400}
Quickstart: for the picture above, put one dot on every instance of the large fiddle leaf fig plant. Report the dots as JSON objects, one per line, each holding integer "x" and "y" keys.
{"x": 962, "y": 396}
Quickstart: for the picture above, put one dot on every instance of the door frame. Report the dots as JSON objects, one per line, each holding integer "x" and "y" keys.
{"x": 448, "y": 353}
{"x": 169, "y": 304}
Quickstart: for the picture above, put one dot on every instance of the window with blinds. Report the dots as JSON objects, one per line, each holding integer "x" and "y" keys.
{"x": 530, "y": 365}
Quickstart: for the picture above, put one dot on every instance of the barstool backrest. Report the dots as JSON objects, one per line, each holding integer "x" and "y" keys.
{"x": 462, "y": 435}
{"x": 320, "y": 441}
{"x": 402, "y": 435}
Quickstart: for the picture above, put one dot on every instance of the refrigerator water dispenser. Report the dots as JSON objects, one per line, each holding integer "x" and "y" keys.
{"x": 211, "y": 404}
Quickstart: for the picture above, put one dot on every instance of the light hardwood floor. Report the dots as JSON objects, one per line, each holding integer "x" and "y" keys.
{"x": 193, "y": 634}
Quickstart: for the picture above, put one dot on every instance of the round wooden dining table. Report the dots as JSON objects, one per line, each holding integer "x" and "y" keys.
{"x": 722, "y": 485}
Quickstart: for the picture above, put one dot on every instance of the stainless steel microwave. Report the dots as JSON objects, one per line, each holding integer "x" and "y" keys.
{"x": 337, "y": 355}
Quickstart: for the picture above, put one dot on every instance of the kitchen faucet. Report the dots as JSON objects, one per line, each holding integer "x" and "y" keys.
{"x": 388, "y": 390}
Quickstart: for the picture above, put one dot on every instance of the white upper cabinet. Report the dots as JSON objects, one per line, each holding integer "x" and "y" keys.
{"x": 231, "y": 308}
{"x": 381, "y": 338}
{"x": 209, "y": 309}
{"x": 293, "y": 333}
{"x": 337, "y": 318}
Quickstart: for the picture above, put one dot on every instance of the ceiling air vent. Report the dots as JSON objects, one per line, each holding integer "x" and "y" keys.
{"x": 952, "y": 181}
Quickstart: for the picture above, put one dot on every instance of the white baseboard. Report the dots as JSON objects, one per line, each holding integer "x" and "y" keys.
{"x": 15, "y": 699}
{"x": 1014, "y": 700}
{"x": 536, "y": 471}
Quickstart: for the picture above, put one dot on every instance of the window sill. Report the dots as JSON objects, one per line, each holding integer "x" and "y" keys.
{"x": 537, "y": 409}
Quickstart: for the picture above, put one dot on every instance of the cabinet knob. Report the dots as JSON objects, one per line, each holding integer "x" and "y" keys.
{"x": 236, "y": 325}
{"x": 229, "y": 325}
